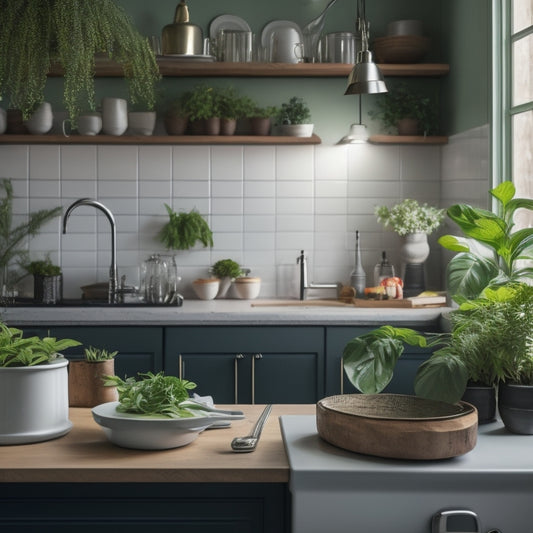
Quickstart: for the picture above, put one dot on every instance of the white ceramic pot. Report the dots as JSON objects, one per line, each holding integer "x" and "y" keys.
{"x": 34, "y": 402}
{"x": 90, "y": 124}
{"x": 114, "y": 116}
{"x": 296, "y": 130}
{"x": 247, "y": 288}
{"x": 206, "y": 289}
{"x": 415, "y": 248}
{"x": 141, "y": 122}
{"x": 42, "y": 120}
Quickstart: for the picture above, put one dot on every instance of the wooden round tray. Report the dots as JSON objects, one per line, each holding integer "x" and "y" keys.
{"x": 397, "y": 426}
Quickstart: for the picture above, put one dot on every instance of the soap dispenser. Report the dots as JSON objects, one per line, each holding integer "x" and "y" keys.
{"x": 358, "y": 276}
{"x": 383, "y": 269}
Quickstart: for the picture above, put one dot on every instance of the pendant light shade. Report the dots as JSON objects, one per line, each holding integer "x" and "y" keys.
{"x": 358, "y": 134}
{"x": 366, "y": 77}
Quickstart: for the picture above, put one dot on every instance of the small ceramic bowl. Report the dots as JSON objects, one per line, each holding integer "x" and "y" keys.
{"x": 206, "y": 288}
{"x": 247, "y": 288}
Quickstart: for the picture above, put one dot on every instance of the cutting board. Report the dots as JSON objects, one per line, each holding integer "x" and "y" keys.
{"x": 356, "y": 302}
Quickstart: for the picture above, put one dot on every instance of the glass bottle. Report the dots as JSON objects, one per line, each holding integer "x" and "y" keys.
{"x": 358, "y": 276}
{"x": 383, "y": 269}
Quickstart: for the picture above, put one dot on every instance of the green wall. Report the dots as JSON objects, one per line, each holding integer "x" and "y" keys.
{"x": 458, "y": 29}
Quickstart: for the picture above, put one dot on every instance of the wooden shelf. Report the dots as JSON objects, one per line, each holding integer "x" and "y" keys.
{"x": 407, "y": 139}
{"x": 157, "y": 139}
{"x": 170, "y": 66}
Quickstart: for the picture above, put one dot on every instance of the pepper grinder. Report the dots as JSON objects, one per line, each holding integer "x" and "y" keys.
{"x": 358, "y": 276}
{"x": 383, "y": 269}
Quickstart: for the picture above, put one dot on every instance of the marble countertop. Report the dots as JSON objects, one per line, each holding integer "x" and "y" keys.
{"x": 221, "y": 312}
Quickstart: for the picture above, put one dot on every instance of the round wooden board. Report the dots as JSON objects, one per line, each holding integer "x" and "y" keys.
{"x": 397, "y": 426}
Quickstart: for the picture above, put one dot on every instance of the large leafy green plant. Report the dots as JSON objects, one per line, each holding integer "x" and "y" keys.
{"x": 184, "y": 230}
{"x": 35, "y": 34}
{"x": 15, "y": 350}
{"x": 489, "y": 251}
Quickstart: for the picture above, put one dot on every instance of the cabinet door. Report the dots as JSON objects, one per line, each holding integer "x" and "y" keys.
{"x": 140, "y": 349}
{"x": 338, "y": 383}
{"x": 240, "y": 364}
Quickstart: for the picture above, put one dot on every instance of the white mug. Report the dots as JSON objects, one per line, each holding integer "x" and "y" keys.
{"x": 285, "y": 46}
{"x": 114, "y": 116}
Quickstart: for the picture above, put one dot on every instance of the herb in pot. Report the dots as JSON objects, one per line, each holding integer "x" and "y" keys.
{"x": 98, "y": 354}
{"x": 227, "y": 268}
{"x": 43, "y": 268}
{"x": 295, "y": 111}
{"x": 153, "y": 394}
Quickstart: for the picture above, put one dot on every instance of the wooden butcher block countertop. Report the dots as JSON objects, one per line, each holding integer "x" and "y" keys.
{"x": 85, "y": 455}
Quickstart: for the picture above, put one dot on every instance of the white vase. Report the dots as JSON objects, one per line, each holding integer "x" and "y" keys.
{"x": 42, "y": 120}
{"x": 415, "y": 248}
{"x": 114, "y": 116}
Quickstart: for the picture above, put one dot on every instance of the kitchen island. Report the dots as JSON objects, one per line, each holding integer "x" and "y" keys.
{"x": 82, "y": 482}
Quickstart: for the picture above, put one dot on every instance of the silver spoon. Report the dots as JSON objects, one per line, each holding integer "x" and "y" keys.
{"x": 249, "y": 443}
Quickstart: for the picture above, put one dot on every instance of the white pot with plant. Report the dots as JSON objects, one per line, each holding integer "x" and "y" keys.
{"x": 294, "y": 118}
{"x": 33, "y": 387}
{"x": 226, "y": 270}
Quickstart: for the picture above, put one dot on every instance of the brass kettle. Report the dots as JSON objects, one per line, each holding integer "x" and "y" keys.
{"x": 182, "y": 37}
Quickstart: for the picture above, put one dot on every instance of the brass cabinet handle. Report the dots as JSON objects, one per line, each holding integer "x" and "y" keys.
{"x": 254, "y": 358}
{"x": 236, "y": 376}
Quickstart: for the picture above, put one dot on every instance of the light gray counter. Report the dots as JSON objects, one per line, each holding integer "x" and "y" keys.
{"x": 219, "y": 312}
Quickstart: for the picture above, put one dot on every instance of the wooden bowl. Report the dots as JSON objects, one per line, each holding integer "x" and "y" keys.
{"x": 401, "y": 49}
{"x": 397, "y": 426}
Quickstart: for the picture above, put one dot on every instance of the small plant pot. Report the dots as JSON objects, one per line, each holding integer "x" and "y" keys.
{"x": 85, "y": 383}
{"x": 483, "y": 398}
{"x": 141, "y": 122}
{"x": 260, "y": 125}
{"x": 48, "y": 289}
{"x": 515, "y": 404}
{"x": 407, "y": 126}
{"x": 228, "y": 126}
{"x": 296, "y": 130}
{"x": 247, "y": 288}
{"x": 206, "y": 289}
{"x": 225, "y": 284}
{"x": 176, "y": 125}
{"x": 209, "y": 126}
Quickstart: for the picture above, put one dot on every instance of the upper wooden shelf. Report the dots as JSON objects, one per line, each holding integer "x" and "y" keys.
{"x": 157, "y": 139}
{"x": 408, "y": 139}
{"x": 170, "y": 66}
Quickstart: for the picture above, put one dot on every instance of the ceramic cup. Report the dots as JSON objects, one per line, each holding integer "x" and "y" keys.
{"x": 88, "y": 124}
{"x": 285, "y": 46}
{"x": 3, "y": 120}
{"x": 114, "y": 116}
{"x": 42, "y": 120}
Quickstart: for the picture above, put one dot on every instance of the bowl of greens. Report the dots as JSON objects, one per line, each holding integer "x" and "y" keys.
{"x": 155, "y": 412}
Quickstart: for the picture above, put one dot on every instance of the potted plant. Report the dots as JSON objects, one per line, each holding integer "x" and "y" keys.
{"x": 231, "y": 107}
{"x": 34, "y": 35}
{"x": 47, "y": 281}
{"x": 226, "y": 270}
{"x": 12, "y": 238}
{"x": 177, "y": 117}
{"x": 202, "y": 106}
{"x": 490, "y": 253}
{"x": 87, "y": 377}
{"x": 261, "y": 119}
{"x": 184, "y": 230}
{"x": 408, "y": 112}
{"x": 33, "y": 387}
{"x": 294, "y": 118}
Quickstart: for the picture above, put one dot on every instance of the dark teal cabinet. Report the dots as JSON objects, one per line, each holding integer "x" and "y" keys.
{"x": 142, "y": 507}
{"x": 249, "y": 364}
{"x": 338, "y": 383}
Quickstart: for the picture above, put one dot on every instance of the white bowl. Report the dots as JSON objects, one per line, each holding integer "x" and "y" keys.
{"x": 247, "y": 288}
{"x": 142, "y": 432}
{"x": 206, "y": 289}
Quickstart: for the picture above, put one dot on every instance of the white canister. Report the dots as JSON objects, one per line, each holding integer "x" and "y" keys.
{"x": 114, "y": 116}
{"x": 337, "y": 47}
{"x": 42, "y": 120}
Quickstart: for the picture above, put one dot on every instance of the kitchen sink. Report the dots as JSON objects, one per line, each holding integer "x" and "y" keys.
{"x": 82, "y": 302}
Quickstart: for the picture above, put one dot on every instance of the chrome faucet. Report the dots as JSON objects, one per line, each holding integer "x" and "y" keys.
{"x": 304, "y": 283}
{"x": 113, "y": 271}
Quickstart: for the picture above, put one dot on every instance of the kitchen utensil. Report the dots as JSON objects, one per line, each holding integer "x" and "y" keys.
{"x": 209, "y": 408}
{"x": 142, "y": 432}
{"x": 286, "y": 46}
{"x": 234, "y": 46}
{"x": 249, "y": 443}
{"x": 227, "y": 22}
{"x": 397, "y": 426}
{"x": 182, "y": 37}
{"x": 311, "y": 34}
{"x": 114, "y": 115}
{"x": 383, "y": 269}
{"x": 337, "y": 47}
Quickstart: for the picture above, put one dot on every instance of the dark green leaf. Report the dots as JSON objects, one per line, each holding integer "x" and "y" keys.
{"x": 469, "y": 274}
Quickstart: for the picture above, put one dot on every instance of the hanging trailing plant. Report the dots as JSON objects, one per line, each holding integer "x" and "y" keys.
{"x": 34, "y": 34}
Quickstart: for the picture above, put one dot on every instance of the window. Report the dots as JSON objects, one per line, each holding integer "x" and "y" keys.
{"x": 517, "y": 123}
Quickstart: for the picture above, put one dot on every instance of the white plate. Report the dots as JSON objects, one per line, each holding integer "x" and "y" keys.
{"x": 227, "y": 22}
{"x": 143, "y": 432}
{"x": 276, "y": 25}
{"x": 189, "y": 57}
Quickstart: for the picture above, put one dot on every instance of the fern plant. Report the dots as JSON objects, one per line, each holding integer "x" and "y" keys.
{"x": 34, "y": 34}
{"x": 184, "y": 230}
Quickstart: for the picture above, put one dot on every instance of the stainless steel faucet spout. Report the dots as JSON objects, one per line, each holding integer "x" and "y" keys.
{"x": 304, "y": 283}
{"x": 113, "y": 270}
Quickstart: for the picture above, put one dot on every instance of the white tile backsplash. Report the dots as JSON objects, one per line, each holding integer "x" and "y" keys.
{"x": 263, "y": 203}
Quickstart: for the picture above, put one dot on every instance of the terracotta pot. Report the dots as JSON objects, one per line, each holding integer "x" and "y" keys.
{"x": 176, "y": 125}
{"x": 407, "y": 126}
{"x": 228, "y": 126}
{"x": 209, "y": 126}
{"x": 260, "y": 125}
{"x": 85, "y": 383}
